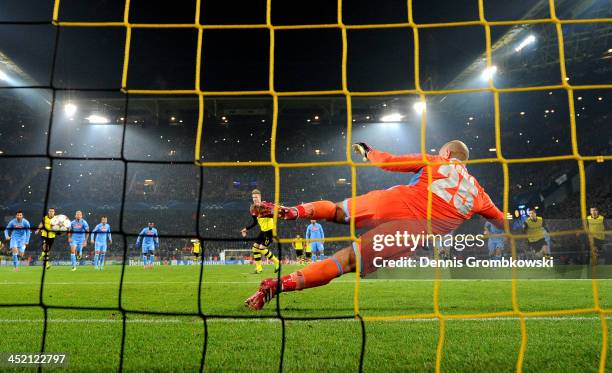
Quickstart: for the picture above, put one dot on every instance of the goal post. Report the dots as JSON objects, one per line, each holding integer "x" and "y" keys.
{"x": 235, "y": 256}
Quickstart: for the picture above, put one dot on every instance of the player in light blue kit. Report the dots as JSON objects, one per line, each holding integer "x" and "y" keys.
{"x": 101, "y": 237}
{"x": 18, "y": 233}
{"x": 315, "y": 232}
{"x": 77, "y": 237}
{"x": 149, "y": 240}
{"x": 496, "y": 244}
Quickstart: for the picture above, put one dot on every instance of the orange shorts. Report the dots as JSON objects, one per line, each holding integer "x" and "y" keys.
{"x": 387, "y": 212}
{"x": 378, "y": 205}
{"x": 373, "y": 250}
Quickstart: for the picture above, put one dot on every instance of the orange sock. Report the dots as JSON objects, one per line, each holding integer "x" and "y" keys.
{"x": 319, "y": 210}
{"x": 316, "y": 274}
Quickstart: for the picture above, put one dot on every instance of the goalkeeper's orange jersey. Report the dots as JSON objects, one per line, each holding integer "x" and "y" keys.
{"x": 456, "y": 195}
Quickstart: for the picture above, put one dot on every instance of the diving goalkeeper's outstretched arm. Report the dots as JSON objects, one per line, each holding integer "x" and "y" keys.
{"x": 338, "y": 211}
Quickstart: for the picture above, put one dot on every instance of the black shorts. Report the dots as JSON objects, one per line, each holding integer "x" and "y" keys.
{"x": 299, "y": 252}
{"x": 48, "y": 242}
{"x": 196, "y": 254}
{"x": 308, "y": 254}
{"x": 599, "y": 244}
{"x": 537, "y": 245}
{"x": 264, "y": 238}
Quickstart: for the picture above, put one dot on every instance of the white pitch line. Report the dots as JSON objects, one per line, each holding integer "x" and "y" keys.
{"x": 183, "y": 320}
{"x": 205, "y": 282}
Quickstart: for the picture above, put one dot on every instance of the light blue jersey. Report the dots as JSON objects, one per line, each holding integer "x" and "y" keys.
{"x": 494, "y": 243}
{"x": 79, "y": 229}
{"x": 148, "y": 239}
{"x": 19, "y": 232}
{"x": 314, "y": 231}
{"x": 101, "y": 235}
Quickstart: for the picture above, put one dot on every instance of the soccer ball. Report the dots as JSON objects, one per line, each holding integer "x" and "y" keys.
{"x": 60, "y": 223}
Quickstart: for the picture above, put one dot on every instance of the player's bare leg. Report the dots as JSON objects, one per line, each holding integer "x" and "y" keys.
{"x": 313, "y": 275}
{"x": 318, "y": 210}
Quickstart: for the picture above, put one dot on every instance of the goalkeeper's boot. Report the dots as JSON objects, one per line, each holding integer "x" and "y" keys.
{"x": 267, "y": 208}
{"x": 267, "y": 292}
{"x": 288, "y": 213}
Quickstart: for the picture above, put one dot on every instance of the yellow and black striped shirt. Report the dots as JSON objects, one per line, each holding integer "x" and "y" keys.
{"x": 263, "y": 219}
{"x": 534, "y": 229}
{"x": 298, "y": 244}
{"x": 46, "y": 231}
{"x": 596, "y": 227}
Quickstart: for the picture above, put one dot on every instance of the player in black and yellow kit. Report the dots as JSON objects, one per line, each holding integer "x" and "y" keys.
{"x": 262, "y": 214}
{"x": 47, "y": 236}
{"x": 298, "y": 246}
{"x": 535, "y": 230}
{"x": 196, "y": 248}
{"x": 308, "y": 252}
{"x": 596, "y": 226}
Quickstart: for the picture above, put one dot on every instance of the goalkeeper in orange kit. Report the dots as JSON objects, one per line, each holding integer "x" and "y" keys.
{"x": 456, "y": 196}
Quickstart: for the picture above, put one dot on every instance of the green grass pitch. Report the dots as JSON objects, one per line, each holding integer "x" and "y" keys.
{"x": 174, "y": 343}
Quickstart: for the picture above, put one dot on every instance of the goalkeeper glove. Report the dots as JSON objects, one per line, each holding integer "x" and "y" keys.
{"x": 363, "y": 149}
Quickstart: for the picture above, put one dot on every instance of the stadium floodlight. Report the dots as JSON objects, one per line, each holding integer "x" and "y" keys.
{"x": 70, "y": 109}
{"x": 3, "y": 76}
{"x": 492, "y": 149}
{"x": 528, "y": 40}
{"x": 393, "y": 117}
{"x": 489, "y": 72}
{"x": 97, "y": 119}
{"x": 419, "y": 107}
